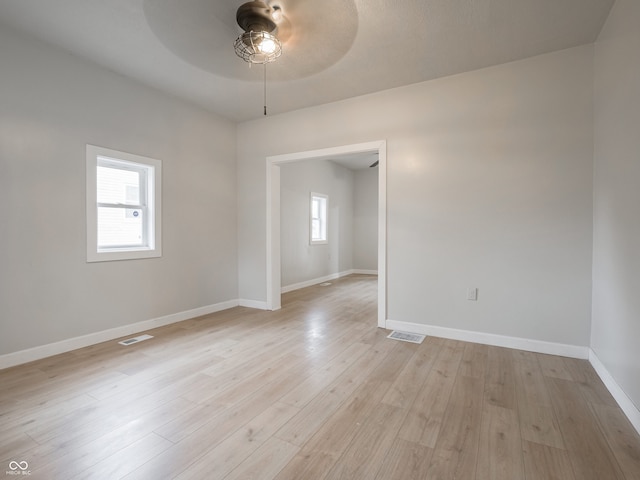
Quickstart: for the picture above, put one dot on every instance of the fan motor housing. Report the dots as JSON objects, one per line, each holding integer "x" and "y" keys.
{"x": 256, "y": 16}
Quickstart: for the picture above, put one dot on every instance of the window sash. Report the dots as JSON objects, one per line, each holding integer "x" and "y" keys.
{"x": 143, "y": 226}
{"x": 144, "y": 172}
{"x": 318, "y": 219}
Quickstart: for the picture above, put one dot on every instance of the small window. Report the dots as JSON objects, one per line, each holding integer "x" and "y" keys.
{"x": 123, "y": 205}
{"x": 318, "y": 222}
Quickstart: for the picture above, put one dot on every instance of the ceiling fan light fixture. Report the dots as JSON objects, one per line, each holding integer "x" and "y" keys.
{"x": 257, "y": 44}
{"x": 257, "y": 47}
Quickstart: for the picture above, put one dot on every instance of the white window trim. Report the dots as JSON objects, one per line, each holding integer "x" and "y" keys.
{"x": 155, "y": 204}
{"x": 326, "y": 220}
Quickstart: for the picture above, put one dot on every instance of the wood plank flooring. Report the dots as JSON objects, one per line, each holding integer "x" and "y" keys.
{"x": 312, "y": 392}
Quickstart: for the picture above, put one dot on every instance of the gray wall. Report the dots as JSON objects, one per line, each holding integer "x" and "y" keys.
{"x": 51, "y": 105}
{"x": 616, "y": 262}
{"x": 365, "y": 220}
{"x": 489, "y": 185}
{"x": 301, "y": 262}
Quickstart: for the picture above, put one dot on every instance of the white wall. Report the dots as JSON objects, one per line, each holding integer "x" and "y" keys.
{"x": 616, "y": 261}
{"x": 51, "y": 105}
{"x": 365, "y": 220}
{"x": 489, "y": 185}
{"x": 301, "y": 262}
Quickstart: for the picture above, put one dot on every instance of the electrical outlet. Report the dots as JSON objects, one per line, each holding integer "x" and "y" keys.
{"x": 472, "y": 294}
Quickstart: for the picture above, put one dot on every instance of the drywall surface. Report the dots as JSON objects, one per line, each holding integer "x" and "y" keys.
{"x": 616, "y": 262}
{"x": 365, "y": 220}
{"x": 51, "y": 105}
{"x": 300, "y": 261}
{"x": 489, "y": 186}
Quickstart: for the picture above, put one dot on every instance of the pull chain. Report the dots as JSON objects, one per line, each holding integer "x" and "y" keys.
{"x": 265, "y": 88}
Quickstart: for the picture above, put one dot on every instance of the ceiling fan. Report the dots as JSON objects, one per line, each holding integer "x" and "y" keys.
{"x": 259, "y": 43}
{"x": 313, "y": 36}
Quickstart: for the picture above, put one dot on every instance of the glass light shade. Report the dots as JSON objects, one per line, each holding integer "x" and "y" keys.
{"x": 257, "y": 47}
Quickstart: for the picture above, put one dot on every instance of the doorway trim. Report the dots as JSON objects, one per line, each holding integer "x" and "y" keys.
{"x": 273, "y": 268}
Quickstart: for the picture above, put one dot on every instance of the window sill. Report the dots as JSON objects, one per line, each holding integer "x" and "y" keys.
{"x": 114, "y": 254}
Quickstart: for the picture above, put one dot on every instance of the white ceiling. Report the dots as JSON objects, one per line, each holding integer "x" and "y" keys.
{"x": 355, "y": 161}
{"x": 333, "y": 49}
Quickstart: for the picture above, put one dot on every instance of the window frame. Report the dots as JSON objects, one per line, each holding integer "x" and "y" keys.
{"x": 324, "y": 222}
{"x": 151, "y": 204}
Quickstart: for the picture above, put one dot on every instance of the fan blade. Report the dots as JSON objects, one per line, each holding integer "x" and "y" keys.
{"x": 283, "y": 29}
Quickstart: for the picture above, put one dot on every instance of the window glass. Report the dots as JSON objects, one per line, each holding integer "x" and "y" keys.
{"x": 120, "y": 227}
{"x": 115, "y": 185}
{"x": 318, "y": 218}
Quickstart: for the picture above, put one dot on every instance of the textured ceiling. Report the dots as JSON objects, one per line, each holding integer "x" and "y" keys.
{"x": 332, "y": 49}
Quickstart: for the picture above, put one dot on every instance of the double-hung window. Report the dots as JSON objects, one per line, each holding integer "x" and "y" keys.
{"x": 123, "y": 205}
{"x": 318, "y": 219}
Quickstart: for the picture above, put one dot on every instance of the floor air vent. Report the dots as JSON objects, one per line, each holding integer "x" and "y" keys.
{"x": 406, "y": 337}
{"x": 131, "y": 341}
{"x": 325, "y": 284}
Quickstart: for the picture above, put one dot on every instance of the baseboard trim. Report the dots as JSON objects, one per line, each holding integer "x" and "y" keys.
{"x": 258, "y": 304}
{"x": 315, "y": 281}
{"x": 359, "y": 271}
{"x": 43, "y": 351}
{"x": 626, "y": 404}
{"x": 538, "y": 346}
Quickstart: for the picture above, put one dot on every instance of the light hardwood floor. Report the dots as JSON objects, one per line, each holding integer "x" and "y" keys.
{"x": 312, "y": 392}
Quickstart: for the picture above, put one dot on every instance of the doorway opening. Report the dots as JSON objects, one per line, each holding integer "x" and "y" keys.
{"x": 274, "y": 164}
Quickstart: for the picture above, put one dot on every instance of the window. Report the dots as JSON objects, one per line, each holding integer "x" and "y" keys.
{"x": 318, "y": 223}
{"x": 123, "y": 205}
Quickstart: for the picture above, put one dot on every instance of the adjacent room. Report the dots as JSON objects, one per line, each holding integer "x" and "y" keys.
{"x": 214, "y": 213}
